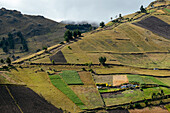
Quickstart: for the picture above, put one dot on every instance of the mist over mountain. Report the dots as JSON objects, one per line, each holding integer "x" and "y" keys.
{"x": 76, "y": 10}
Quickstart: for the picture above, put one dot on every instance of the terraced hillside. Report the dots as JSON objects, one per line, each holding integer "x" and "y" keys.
{"x": 134, "y": 43}
{"x": 135, "y": 77}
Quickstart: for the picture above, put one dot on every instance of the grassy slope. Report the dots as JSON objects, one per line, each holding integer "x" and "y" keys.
{"x": 117, "y": 69}
{"x": 92, "y": 46}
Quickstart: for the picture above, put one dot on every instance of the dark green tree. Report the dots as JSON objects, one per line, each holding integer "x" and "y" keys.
{"x": 146, "y": 102}
{"x": 142, "y": 9}
{"x": 5, "y": 49}
{"x": 66, "y": 39}
{"x": 45, "y": 48}
{"x": 68, "y": 34}
{"x": 75, "y": 33}
{"x": 120, "y": 15}
{"x": 154, "y": 96}
{"x": 8, "y": 61}
{"x": 78, "y": 33}
{"x": 2, "y": 61}
{"x": 11, "y": 41}
{"x": 102, "y": 60}
{"x": 162, "y": 93}
{"x": 102, "y": 24}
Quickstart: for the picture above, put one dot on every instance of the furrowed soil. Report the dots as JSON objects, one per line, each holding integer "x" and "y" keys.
{"x": 16, "y": 99}
{"x": 7, "y": 104}
{"x": 156, "y": 26}
{"x": 31, "y": 102}
{"x": 58, "y": 58}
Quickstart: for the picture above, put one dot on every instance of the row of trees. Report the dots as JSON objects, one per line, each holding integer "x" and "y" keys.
{"x": 9, "y": 43}
{"x": 69, "y": 35}
{"x": 8, "y": 61}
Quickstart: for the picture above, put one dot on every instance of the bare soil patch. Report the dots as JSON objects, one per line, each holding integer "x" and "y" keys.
{"x": 118, "y": 111}
{"x": 119, "y": 79}
{"x": 149, "y": 110}
{"x": 7, "y": 105}
{"x": 156, "y": 26}
{"x": 27, "y": 100}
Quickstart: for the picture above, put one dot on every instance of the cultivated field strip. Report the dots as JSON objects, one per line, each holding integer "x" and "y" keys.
{"x": 7, "y": 104}
{"x": 19, "y": 99}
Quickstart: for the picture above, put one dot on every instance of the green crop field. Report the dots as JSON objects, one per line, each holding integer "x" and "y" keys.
{"x": 167, "y": 10}
{"x": 71, "y": 77}
{"x": 144, "y": 79}
{"x": 133, "y": 95}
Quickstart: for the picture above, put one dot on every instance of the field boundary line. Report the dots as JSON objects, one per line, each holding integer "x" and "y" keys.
{"x": 13, "y": 99}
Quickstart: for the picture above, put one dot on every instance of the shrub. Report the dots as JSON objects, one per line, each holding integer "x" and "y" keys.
{"x": 61, "y": 42}
{"x": 83, "y": 69}
{"x": 102, "y": 60}
{"x": 102, "y": 24}
{"x": 137, "y": 105}
{"x": 91, "y": 70}
{"x": 54, "y": 70}
{"x": 53, "y": 62}
{"x": 69, "y": 48}
{"x": 8, "y": 61}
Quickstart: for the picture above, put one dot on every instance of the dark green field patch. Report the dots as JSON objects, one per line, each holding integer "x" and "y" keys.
{"x": 71, "y": 77}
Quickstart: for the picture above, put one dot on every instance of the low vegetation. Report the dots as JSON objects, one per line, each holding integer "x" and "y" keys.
{"x": 71, "y": 77}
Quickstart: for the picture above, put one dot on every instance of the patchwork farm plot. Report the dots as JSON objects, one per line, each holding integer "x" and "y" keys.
{"x": 88, "y": 92}
{"x": 59, "y": 83}
{"x": 113, "y": 96}
{"x": 84, "y": 94}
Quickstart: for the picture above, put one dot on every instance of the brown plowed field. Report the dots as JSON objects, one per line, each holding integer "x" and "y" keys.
{"x": 149, "y": 110}
{"x": 155, "y": 25}
{"x": 58, "y": 58}
{"x": 27, "y": 100}
{"x": 7, "y": 105}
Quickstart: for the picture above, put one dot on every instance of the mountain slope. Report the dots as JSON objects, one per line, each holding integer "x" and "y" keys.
{"x": 37, "y": 30}
{"x": 126, "y": 42}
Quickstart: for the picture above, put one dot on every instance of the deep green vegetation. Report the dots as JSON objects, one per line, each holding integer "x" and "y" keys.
{"x": 80, "y": 27}
{"x": 102, "y": 60}
{"x": 167, "y": 10}
{"x": 62, "y": 86}
{"x": 71, "y": 77}
{"x": 144, "y": 79}
{"x": 10, "y": 43}
{"x": 102, "y": 24}
{"x": 142, "y": 9}
{"x": 69, "y": 35}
